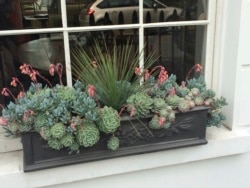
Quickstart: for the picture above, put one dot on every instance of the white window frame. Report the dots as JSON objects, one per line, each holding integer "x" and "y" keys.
{"x": 209, "y": 39}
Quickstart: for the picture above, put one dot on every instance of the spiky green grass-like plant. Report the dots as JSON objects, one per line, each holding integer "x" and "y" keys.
{"x": 110, "y": 70}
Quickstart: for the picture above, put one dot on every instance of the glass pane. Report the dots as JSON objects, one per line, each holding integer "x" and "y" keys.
{"x": 30, "y": 14}
{"x": 174, "y": 10}
{"x": 108, "y": 37}
{"x": 74, "y": 8}
{"x": 109, "y": 12}
{"x": 179, "y": 48}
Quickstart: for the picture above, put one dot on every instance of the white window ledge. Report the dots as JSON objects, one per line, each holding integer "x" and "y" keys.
{"x": 221, "y": 142}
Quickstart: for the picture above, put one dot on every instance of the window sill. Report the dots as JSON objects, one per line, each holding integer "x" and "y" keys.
{"x": 221, "y": 142}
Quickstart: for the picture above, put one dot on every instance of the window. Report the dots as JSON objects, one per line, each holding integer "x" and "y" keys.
{"x": 41, "y": 32}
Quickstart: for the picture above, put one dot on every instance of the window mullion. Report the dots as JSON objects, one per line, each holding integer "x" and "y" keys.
{"x": 210, "y": 42}
{"x": 141, "y": 34}
{"x": 66, "y": 43}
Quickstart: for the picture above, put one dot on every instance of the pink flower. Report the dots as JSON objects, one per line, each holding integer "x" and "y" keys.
{"x": 132, "y": 112}
{"x": 94, "y": 64}
{"x": 5, "y": 92}
{"x": 25, "y": 69}
{"x": 161, "y": 121}
{"x": 198, "y": 68}
{"x": 14, "y": 81}
{"x": 27, "y": 114}
{"x": 163, "y": 76}
{"x": 73, "y": 126}
{"x": 172, "y": 91}
{"x": 3, "y": 121}
{"x": 146, "y": 75}
{"x": 137, "y": 71}
{"x": 20, "y": 95}
{"x": 33, "y": 76}
{"x": 183, "y": 84}
{"x": 91, "y": 91}
{"x": 52, "y": 69}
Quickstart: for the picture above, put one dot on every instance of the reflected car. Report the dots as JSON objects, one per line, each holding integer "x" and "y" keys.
{"x": 112, "y": 12}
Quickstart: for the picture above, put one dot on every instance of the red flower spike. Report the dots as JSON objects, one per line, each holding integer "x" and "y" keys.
{"x": 163, "y": 76}
{"x": 5, "y": 92}
{"x": 161, "y": 121}
{"x": 183, "y": 84}
{"x": 198, "y": 68}
{"x": 146, "y": 75}
{"x": 172, "y": 91}
{"x": 91, "y": 91}
{"x": 52, "y": 69}
{"x": 33, "y": 76}
{"x": 137, "y": 71}
{"x": 20, "y": 95}
{"x": 14, "y": 82}
{"x": 3, "y": 121}
{"x": 132, "y": 112}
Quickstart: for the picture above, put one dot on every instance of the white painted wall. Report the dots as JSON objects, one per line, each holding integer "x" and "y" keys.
{"x": 233, "y": 41}
{"x": 225, "y": 172}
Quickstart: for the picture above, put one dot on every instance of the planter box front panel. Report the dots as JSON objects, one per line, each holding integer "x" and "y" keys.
{"x": 188, "y": 129}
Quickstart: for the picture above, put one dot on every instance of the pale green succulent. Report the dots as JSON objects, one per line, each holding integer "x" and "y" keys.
{"x": 58, "y": 130}
{"x": 140, "y": 102}
{"x": 55, "y": 144}
{"x": 67, "y": 140}
{"x": 173, "y": 101}
{"x": 109, "y": 120}
{"x": 88, "y": 135}
{"x": 183, "y": 106}
{"x": 113, "y": 143}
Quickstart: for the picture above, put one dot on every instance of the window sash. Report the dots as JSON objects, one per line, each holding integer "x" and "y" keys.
{"x": 209, "y": 44}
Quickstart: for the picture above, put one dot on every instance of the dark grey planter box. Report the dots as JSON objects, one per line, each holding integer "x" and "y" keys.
{"x": 189, "y": 129}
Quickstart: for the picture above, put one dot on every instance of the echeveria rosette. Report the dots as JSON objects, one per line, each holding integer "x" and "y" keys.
{"x": 158, "y": 104}
{"x": 68, "y": 140}
{"x": 183, "y": 106}
{"x": 55, "y": 144}
{"x": 113, "y": 143}
{"x": 141, "y": 103}
{"x": 109, "y": 120}
{"x": 58, "y": 130}
{"x": 158, "y": 122}
{"x": 173, "y": 101}
{"x": 88, "y": 135}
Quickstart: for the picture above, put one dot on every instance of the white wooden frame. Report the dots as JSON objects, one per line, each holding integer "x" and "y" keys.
{"x": 209, "y": 23}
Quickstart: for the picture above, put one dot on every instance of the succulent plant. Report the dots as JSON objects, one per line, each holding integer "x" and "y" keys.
{"x": 75, "y": 147}
{"x": 113, "y": 143}
{"x": 158, "y": 105}
{"x": 58, "y": 130}
{"x": 173, "y": 101}
{"x": 158, "y": 122}
{"x": 195, "y": 91}
{"x": 182, "y": 91}
{"x": 88, "y": 135}
{"x": 45, "y": 132}
{"x": 183, "y": 106}
{"x": 67, "y": 140}
{"x": 199, "y": 100}
{"x": 40, "y": 121}
{"x": 55, "y": 144}
{"x": 141, "y": 102}
{"x": 109, "y": 120}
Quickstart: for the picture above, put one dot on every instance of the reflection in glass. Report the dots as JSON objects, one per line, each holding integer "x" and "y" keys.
{"x": 30, "y": 14}
{"x": 106, "y": 37}
{"x": 172, "y": 10}
{"x": 179, "y": 48}
{"x": 109, "y": 12}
